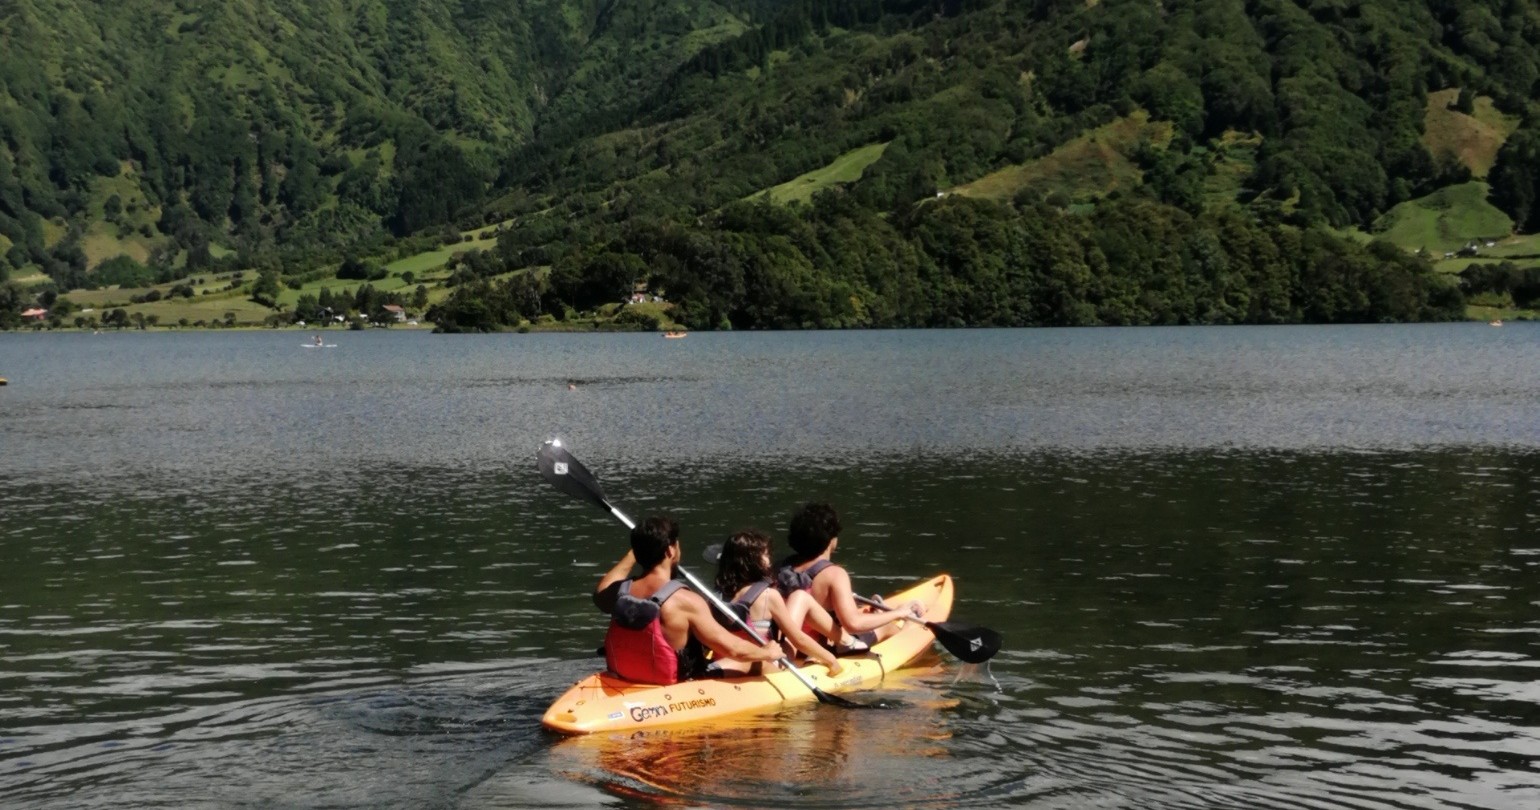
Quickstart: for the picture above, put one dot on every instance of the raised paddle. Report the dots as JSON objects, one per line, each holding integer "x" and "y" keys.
{"x": 570, "y": 476}
{"x": 970, "y": 643}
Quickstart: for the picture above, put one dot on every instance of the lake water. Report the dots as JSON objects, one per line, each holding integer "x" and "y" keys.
{"x": 1234, "y": 567}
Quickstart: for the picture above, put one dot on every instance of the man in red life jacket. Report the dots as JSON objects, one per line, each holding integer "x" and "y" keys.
{"x": 658, "y": 627}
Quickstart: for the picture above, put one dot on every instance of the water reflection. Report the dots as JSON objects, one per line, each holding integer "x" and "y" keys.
{"x": 810, "y": 756}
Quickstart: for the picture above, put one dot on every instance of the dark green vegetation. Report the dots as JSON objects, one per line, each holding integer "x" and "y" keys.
{"x": 963, "y": 161}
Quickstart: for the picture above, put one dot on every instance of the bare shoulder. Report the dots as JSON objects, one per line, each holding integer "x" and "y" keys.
{"x": 837, "y": 576}
{"x": 686, "y": 601}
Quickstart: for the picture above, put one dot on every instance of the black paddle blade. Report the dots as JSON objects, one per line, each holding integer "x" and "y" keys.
{"x": 969, "y": 643}
{"x": 568, "y": 474}
{"x": 831, "y": 699}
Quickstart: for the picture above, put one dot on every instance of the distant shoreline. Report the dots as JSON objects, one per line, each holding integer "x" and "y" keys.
{"x": 430, "y": 328}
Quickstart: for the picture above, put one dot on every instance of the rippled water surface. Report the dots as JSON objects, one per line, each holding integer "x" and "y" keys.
{"x": 1243, "y": 568}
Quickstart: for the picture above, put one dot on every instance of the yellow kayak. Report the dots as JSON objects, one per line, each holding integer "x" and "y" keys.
{"x": 601, "y": 702}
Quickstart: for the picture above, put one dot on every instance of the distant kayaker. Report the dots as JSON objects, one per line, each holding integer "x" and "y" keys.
{"x": 744, "y": 581}
{"x": 813, "y": 536}
{"x": 658, "y": 628}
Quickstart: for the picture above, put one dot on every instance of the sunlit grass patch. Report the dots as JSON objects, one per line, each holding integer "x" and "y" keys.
{"x": 1472, "y": 139}
{"x": 846, "y": 168}
{"x": 1094, "y": 163}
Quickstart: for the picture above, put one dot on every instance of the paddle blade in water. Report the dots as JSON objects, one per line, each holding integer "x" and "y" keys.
{"x": 972, "y": 644}
{"x": 829, "y": 699}
{"x": 568, "y": 474}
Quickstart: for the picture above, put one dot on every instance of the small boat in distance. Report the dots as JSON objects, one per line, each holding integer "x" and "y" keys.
{"x": 675, "y": 334}
{"x": 1495, "y": 322}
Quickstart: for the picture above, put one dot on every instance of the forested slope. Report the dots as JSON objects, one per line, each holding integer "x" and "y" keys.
{"x": 265, "y": 125}
{"x": 1122, "y": 161}
{"x": 1271, "y": 125}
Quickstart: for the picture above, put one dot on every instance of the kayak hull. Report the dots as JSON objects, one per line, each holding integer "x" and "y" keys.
{"x": 602, "y": 702}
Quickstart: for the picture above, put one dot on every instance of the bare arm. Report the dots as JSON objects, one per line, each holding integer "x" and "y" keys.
{"x": 851, "y": 616}
{"x": 608, "y": 589}
{"x": 792, "y": 629}
{"x": 704, "y": 626}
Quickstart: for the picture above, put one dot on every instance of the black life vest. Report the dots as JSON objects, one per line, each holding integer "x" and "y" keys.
{"x": 789, "y": 580}
{"x": 742, "y": 605}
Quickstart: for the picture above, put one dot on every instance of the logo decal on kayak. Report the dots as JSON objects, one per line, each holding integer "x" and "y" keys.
{"x": 642, "y": 713}
{"x": 560, "y": 468}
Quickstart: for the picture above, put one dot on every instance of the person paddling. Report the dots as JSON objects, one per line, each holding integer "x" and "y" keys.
{"x": 659, "y": 629}
{"x": 813, "y": 536}
{"x": 745, "y": 583}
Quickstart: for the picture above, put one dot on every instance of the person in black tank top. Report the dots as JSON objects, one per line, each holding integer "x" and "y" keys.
{"x": 813, "y": 536}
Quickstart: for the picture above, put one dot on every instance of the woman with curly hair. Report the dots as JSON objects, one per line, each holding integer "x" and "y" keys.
{"x": 744, "y": 580}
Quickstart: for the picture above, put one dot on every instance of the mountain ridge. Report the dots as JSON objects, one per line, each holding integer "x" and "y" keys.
{"x": 596, "y": 122}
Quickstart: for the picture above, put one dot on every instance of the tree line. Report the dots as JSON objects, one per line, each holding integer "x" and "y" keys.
{"x": 964, "y": 262}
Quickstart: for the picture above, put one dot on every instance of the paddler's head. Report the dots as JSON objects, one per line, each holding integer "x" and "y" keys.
{"x": 745, "y": 559}
{"x": 654, "y": 540}
{"x": 814, "y": 530}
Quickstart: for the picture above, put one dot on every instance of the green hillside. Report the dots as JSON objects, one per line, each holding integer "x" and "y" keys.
{"x": 1445, "y": 220}
{"x": 1110, "y": 162}
{"x": 289, "y": 128}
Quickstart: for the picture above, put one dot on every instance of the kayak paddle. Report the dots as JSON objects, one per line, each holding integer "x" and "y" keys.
{"x": 569, "y": 475}
{"x": 970, "y": 643}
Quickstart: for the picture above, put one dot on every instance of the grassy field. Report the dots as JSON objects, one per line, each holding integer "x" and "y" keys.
{"x": 1091, "y": 165}
{"x": 1445, "y": 220}
{"x": 846, "y": 168}
{"x": 437, "y": 258}
{"x": 1472, "y": 139}
{"x": 213, "y": 299}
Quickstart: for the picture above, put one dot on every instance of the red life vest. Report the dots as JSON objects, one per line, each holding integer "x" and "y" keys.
{"x": 635, "y": 647}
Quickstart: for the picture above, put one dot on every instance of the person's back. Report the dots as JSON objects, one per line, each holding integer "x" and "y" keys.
{"x": 638, "y": 646}
{"x": 659, "y": 629}
{"x": 813, "y": 536}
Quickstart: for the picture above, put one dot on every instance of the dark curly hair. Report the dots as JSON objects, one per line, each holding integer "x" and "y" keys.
{"x": 651, "y": 539}
{"x": 743, "y": 562}
{"x": 812, "y": 529}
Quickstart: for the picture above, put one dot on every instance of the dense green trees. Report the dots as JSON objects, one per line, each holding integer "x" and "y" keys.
{"x": 621, "y": 143}
{"x": 1516, "y": 178}
{"x": 959, "y": 262}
